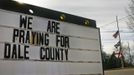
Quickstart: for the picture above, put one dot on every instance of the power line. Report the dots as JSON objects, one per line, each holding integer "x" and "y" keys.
{"x": 115, "y": 21}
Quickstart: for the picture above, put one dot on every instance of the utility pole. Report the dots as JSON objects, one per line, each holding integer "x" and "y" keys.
{"x": 130, "y": 57}
{"x": 120, "y": 49}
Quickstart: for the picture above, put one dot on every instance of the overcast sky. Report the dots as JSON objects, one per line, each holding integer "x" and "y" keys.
{"x": 103, "y": 11}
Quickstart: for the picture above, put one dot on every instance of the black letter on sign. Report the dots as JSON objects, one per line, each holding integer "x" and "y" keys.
{"x": 26, "y": 52}
{"x": 15, "y": 34}
{"x": 66, "y": 54}
{"x": 49, "y": 27}
{"x": 57, "y": 28}
{"x": 14, "y": 51}
{"x": 23, "y": 21}
{"x": 21, "y": 36}
{"x": 46, "y": 40}
{"x": 19, "y": 52}
{"x": 47, "y": 53}
{"x": 41, "y": 53}
{"x": 66, "y": 42}
{"x": 30, "y": 22}
{"x": 27, "y": 37}
{"x": 57, "y": 40}
{"x": 7, "y": 50}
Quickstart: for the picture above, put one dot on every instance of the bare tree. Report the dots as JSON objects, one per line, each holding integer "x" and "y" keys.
{"x": 128, "y": 55}
{"x": 130, "y": 12}
{"x": 130, "y": 24}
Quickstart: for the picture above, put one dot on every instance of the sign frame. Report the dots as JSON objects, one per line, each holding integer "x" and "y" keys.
{"x": 50, "y": 14}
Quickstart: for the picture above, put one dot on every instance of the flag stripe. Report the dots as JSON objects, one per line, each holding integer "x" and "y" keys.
{"x": 116, "y": 34}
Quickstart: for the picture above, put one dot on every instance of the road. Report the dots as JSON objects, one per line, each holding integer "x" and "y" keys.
{"x": 127, "y": 71}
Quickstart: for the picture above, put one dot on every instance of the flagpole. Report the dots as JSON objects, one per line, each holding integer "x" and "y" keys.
{"x": 122, "y": 62}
